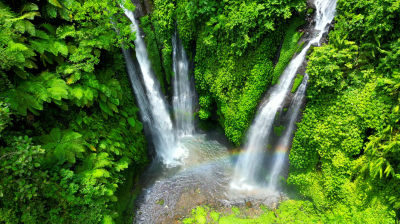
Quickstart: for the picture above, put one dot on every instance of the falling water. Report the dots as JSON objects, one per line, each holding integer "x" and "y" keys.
{"x": 247, "y": 170}
{"x": 152, "y": 105}
{"x": 182, "y": 89}
{"x": 285, "y": 141}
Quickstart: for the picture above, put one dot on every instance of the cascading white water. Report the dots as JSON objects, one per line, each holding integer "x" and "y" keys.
{"x": 183, "y": 90}
{"x": 248, "y": 166}
{"x": 154, "y": 108}
{"x": 285, "y": 141}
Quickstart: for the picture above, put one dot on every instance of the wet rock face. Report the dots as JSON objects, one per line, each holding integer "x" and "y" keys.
{"x": 311, "y": 4}
{"x": 143, "y": 8}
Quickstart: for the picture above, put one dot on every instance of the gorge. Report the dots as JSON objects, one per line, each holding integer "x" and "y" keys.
{"x": 199, "y": 111}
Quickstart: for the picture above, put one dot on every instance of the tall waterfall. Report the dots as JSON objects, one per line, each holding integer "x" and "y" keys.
{"x": 183, "y": 90}
{"x": 153, "y": 107}
{"x": 247, "y": 170}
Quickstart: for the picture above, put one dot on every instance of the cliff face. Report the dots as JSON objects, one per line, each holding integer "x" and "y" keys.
{"x": 143, "y": 8}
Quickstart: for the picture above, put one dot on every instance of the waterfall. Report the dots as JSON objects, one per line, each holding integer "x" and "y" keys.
{"x": 152, "y": 105}
{"x": 247, "y": 170}
{"x": 285, "y": 141}
{"x": 183, "y": 90}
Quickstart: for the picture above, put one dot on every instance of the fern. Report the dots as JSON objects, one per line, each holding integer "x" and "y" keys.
{"x": 29, "y": 7}
{"x": 30, "y": 28}
{"x": 30, "y": 15}
{"x": 61, "y": 47}
{"x": 41, "y": 34}
{"x": 50, "y": 11}
{"x": 38, "y": 45}
{"x": 30, "y": 64}
{"x": 21, "y": 73}
{"x": 65, "y": 31}
{"x": 17, "y": 47}
{"x": 50, "y": 28}
{"x": 65, "y": 145}
{"x": 31, "y": 94}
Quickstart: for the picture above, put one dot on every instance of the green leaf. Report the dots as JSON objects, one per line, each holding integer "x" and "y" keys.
{"x": 29, "y": 7}
{"x": 132, "y": 121}
{"x": 69, "y": 135}
{"x": 105, "y": 108}
{"x": 56, "y": 134}
{"x": 124, "y": 113}
{"x": 17, "y": 47}
{"x": 79, "y": 119}
{"x": 65, "y": 31}
{"x": 61, "y": 47}
{"x": 21, "y": 73}
{"x": 112, "y": 106}
{"x": 55, "y": 3}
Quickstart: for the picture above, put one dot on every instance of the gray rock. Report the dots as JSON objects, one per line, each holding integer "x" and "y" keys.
{"x": 311, "y": 4}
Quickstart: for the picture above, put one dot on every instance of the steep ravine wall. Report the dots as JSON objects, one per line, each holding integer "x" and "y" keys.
{"x": 146, "y": 7}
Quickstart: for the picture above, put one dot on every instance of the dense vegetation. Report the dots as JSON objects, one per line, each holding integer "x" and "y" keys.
{"x": 235, "y": 45}
{"x": 68, "y": 122}
{"x": 70, "y": 137}
{"x": 289, "y": 211}
{"x": 345, "y": 154}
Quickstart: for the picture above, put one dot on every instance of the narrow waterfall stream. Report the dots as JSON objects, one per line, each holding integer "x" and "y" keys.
{"x": 248, "y": 172}
{"x": 183, "y": 89}
{"x": 286, "y": 140}
{"x": 154, "y": 109}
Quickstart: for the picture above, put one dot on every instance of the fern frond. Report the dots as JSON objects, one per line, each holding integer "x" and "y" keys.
{"x": 30, "y": 28}
{"x": 50, "y": 28}
{"x": 30, "y": 64}
{"x": 41, "y": 34}
{"x": 20, "y": 26}
{"x": 64, "y": 14}
{"x": 33, "y": 102}
{"x": 21, "y": 73}
{"x": 50, "y": 11}
{"x": 29, "y": 7}
{"x": 37, "y": 46}
{"x": 30, "y": 15}
{"x": 64, "y": 31}
{"x": 61, "y": 47}
{"x": 17, "y": 47}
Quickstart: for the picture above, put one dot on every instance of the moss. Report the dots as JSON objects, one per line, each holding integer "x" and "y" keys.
{"x": 310, "y": 11}
{"x": 126, "y": 196}
{"x": 297, "y": 82}
{"x": 278, "y": 130}
{"x": 289, "y": 47}
{"x": 153, "y": 49}
{"x": 236, "y": 210}
{"x": 215, "y": 216}
{"x": 300, "y": 48}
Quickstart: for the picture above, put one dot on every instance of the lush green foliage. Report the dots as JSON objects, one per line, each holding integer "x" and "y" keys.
{"x": 297, "y": 82}
{"x": 154, "y": 46}
{"x": 345, "y": 152}
{"x": 291, "y": 212}
{"x": 278, "y": 130}
{"x": 289, "y": 47}
{"x": 236, "y": 42}
{"x": 77, "y": 115}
